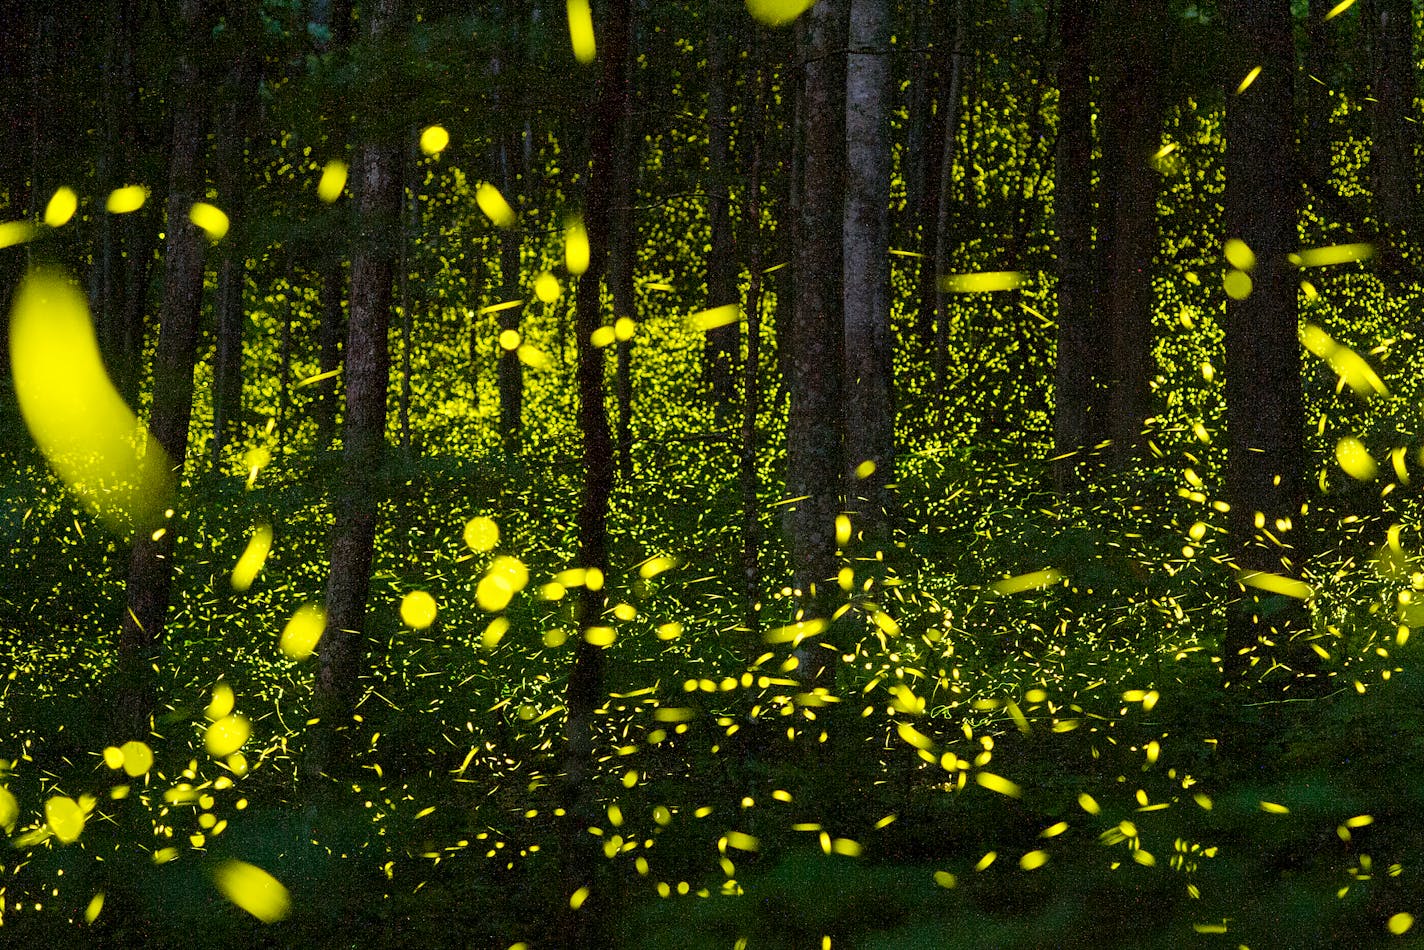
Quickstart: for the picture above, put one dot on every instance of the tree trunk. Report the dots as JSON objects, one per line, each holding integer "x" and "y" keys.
{"x": 1079, "y": 421}
{"x": 944, "y": 202}
{"x": 1321, "y": 58}
{"x": 722, "y": 342}
{"x": 240, "y": 94}
{"x": 343, "y": 645}
{"x": 869, "y": 344}
{"x": 622, "y": 263}
{"x": 335, "y": 17}
{"x": 1265, "y": 470}
{"x": 511, "y": 371}
{"x": 151, "y": 560}
{"x": 814, "y": 459}
{"x": 751, "y": 369}
{"x": 1392, "y": 145}
{"x": 585, "y": 688}
{"x": 1127, "y": 211}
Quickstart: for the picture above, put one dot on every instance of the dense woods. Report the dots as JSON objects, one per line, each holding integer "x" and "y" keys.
{"x": 746, "y": 473}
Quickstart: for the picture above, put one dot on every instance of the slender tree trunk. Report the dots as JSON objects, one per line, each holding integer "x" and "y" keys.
{"x": 622, "y": 262}
{"x": 284, "y": 357}
{"x": 1265, "y": 462}
{"x": 751, "y": 369}
{"x": 239, "y": 99}
{"x": 722, "y": 343}
{"x": 585, "y": 688}
{"x": 151, "y": 559}
{"x": 814, "y": 458}
{"x": 343, "y": 645}
{"x": 411, "y": 173}
{"x": 1392, "y": 145}
{"x": 335, "y": 17}
{"x": 1079, "y": 420}
{"x": 944, "y": 203}
{"x": 1127, "y": 208}
{"x": 869, "y": 344}
{"x": 511, "y": 371}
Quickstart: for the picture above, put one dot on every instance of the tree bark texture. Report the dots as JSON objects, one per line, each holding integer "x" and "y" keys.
{"x": 869, "y": 344}
{"x": 151, "y": 559}
{"x": 1393, "y": 142}
{"x": 814, "y": 458}
{"x": 1080, "y": 415}
{"x": 1264, "y": 417}
{"x": 585, "y": 688}
{"x": 1130, "y": 113}
{"x": 342, "y": 650}
{"x": 722, "y": 342}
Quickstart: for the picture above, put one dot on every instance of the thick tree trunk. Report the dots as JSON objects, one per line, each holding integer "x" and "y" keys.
{"x": 343, "y": 645}
{"x": 1265, "y": 467}
{"x": 720, "y": 354}
{"x": 1079, "y": 420}
{"x": 869, "y": 344}
{"x": 151, "y": 559}
{"x": 1127, "y": 211}
{"x": 1392, "y": 144}
{"x": 1320, "y": 63}
{"x": 585, "y": 687}
{"x": 814, "y": 459}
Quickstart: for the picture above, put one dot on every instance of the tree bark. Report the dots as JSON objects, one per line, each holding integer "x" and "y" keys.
{"x": 720, "y": 353}
{"x": 751, "y": 369}
{"x": 814, "y": 458}
{"x": 1127, "y": 207}
{"x": 343, "y": 645}
{"x": 944, "y": 201}
{"x": 1321, "y": 57}
{"x": 1079, "y": 421}
{"x": 151, "y": 559}
{"x": 1393, "y": 142}
{"x": 335, "y": 17}
{"x": 869, "y": 344}
{"x": 511, "y": 371}
{"x": 585, "y": 687}
{"x": 622, "y": 263}
{"x": 1265, "y": 471}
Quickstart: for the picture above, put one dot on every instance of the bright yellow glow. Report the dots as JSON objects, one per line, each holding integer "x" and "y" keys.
{"x": 303, "y": 631}
{"x": 1276, "y": 584}
{"x": 212, "y": 219}
{"x": 712, "y": 319}
{"x": 546, "y": 287}
{"x": 333, "y": 181}
{"x": 65, "y": 818}
{"x": 417, "y": 610}
{"x": 494, "y": 206}
{"x": 15, "y": 232}
{"x": 253, "y": 557}
{"x": 127, "y": 199}
{"x": 434, "y": 140}
{"x": 1351, "y": 366}
{"x": 481, "y": 534}
{"x": 9, "y": 809}
{"x": 777, "y": 12}
{"x": 1034, "y": 581}
{"x": 226, "y": 736}
{"x": 581, "y": 31}
{"x": 1238, "y": 284}
{"x": 254, "y": 890}
{"x": 1400, "y": 923}
{"x": 624, "y": 328}
{"x": 1248, "y": 80}
{"x": 1335, "y": 254}
{"x": 61, "y": 207}
{"x": 76, "y": 417}
{"x": 1239, "y": 254}
{"x": 510, "y": 340}
{"x": 987, "y": 282}
{"x": 137, "y": 758}
{"x": 1355, "y": 459}
{"x": 222, "y": 702}
{"x": 1339, "y": 8}
{"x": 575, "y": 246}
{"x": 96, "y": 904}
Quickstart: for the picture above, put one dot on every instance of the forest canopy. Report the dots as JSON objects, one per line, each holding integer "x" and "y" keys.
{"x": 743, "y": 473}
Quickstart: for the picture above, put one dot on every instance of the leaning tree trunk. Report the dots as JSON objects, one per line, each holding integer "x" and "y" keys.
{"x": 869, "y": 344}
{"x": 814, "y": 460}
{"x": 151, "y": 560}
{"x": 1079, "y": 413}
{"x": 343, "y": 645}
{"x": 1265, "y": 455}
{"x": 585, "y": 688}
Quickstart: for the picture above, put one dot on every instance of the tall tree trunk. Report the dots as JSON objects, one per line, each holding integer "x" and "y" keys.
{"x": 151, "y": 560}
{"x": 1127, "y": 210}
{"x": 411, "y": 177}
{"x": 814, "y": 459}
{"x": 944, "y": 202}
{"x": 511, "y": 370}
{"x": 751, "y": 369}
{"x": 1265, "y": 461}
{"x": 722, "y": 342}
{"x": 1392, "y": 145}
{"x": 869, "y": 344}
{"x": 335, "y": 17}
{"x": 1079, "y": 420}
{"x": 585, "y": 687}
{"x": 343, "y": 645}
{"x": 240, "y": 94}
{"x": 622, "y": 263}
